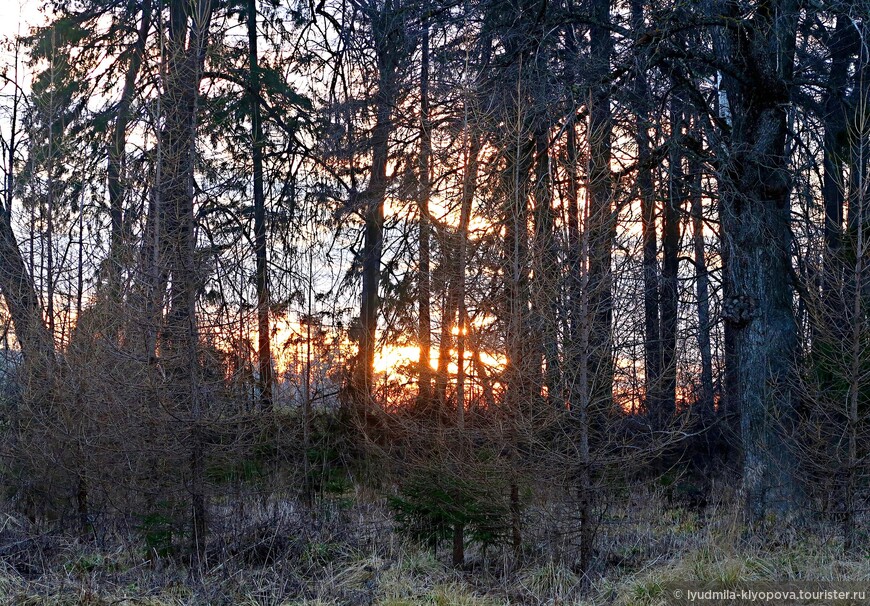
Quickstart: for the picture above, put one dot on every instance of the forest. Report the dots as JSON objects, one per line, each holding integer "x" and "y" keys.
{"x": 438, "y": 302}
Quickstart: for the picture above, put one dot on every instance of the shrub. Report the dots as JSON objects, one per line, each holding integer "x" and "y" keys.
{"x": 433, "y": 502}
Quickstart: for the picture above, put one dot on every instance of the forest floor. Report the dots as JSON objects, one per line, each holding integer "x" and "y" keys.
{"x": 349, "y": 554}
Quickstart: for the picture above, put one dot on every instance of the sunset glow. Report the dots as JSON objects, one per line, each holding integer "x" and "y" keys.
{"x": 392, "y": 359}
{"x": 289, "y": 351}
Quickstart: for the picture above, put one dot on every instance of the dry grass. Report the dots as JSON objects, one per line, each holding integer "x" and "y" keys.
{"x": 641, "y": 550}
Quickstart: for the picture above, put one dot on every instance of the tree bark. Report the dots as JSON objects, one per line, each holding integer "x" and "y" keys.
{"x": 187, "y": 40}
{"x": 16, "y": 281}
{"x": 445, "y": 343}
{"x": 754, "y": 195}
{"x": 519, "y": 374}
{"x": 855, "y": 314}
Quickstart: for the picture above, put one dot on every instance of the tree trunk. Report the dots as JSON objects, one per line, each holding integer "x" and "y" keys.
{"x": 116, "y": 155}
{"x": 516, "y": 248}
{"x": 754, "y": 194}
{"x": 575, "y": 293}
{"x": 264, "y": 347}
{"x": 584, "y": 232}
{"x": 843, "y": 47}
{"x": 186, "y": 48}
{"x": 458, "y": 545}
{"x": 483, "y": 374}
{"x": 445, "y": 344}
{"x": 855, "y": 290}
{"x": 469, "y": 184}
{"x": 16, "y": 281}
{"x": 581, "y": 408}
{"x": 21, "y": 299}
{"x": 373, "y": 198}
{"x": 652, "y": 345}
{"x": 702, "y": 285}
{"x": 519, "y": 389}
{"x": 602, "y": 224}
{"x": 547, "y": 292}
{"x": 424, "y": 337}
{"x": 670, "y": 265}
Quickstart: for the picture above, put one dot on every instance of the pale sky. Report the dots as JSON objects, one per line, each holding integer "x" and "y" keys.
{"x": 17, "y": 16}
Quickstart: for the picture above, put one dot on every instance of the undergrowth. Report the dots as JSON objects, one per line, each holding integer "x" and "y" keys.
{"x": 348, "y": 552}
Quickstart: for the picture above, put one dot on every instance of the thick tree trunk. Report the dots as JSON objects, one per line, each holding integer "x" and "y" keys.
{"x": 458, "y": 545}
{"x": 372, "y": 252}
{"x": 754, "y": 194}
{"x": 16, "y": 279}
{"x": 188, "y": 34}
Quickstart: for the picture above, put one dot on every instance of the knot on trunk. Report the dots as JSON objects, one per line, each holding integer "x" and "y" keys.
{"x": 739, "y": 310}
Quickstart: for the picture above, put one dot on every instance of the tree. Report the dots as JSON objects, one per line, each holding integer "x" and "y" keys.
{"x": 117, "y": 152}
{"x": 646, "y": 192}
{"x": 601, "y": 207}
{"x": 175, "y": 237}
{"x": 390, "y": 47}
{"x": 754, "y": 185}
{"x": 264, "y": 335}
{"x": 425, "y": 154}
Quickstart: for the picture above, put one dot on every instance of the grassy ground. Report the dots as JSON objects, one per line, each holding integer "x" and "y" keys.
{"x": 348, "y": 554}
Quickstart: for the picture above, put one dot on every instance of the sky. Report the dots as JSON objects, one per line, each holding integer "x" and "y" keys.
{"x": 17, "y": 16}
